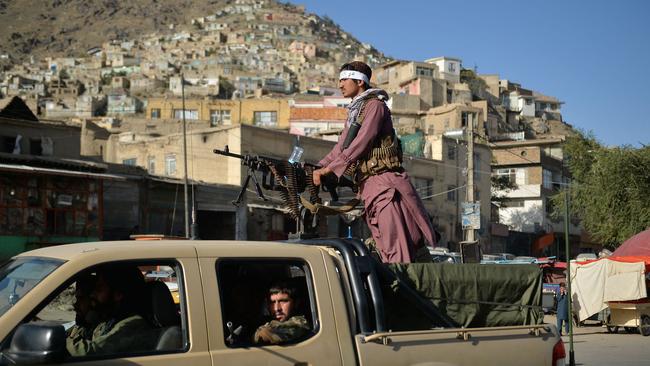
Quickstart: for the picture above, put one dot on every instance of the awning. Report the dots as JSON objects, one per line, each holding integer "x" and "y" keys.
{"x": 70, "y": 173}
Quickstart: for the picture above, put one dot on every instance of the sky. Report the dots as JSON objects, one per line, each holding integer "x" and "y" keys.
{"x": 592, "y": 55}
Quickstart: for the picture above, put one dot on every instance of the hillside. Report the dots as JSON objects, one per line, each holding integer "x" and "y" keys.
{"x": 56, "y": 28}
{"x": 70, "y": 27}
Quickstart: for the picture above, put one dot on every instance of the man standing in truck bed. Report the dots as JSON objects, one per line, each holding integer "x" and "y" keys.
{"x": 369, "y": 150}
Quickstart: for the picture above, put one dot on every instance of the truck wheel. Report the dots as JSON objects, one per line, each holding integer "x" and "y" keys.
{"x": 612, "y": 329}
{"x": 644, "y": 327}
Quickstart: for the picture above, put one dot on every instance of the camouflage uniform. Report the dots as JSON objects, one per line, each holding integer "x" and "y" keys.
{"x": 277, "y": 332}
{"x": 131, "y": 334}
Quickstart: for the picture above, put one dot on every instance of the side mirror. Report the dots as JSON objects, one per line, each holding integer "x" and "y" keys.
{"x": 37, "y": 343}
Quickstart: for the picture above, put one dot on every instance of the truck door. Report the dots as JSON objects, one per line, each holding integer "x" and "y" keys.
{"x": 165, "y": 323}
{"x": 266, "y": 306}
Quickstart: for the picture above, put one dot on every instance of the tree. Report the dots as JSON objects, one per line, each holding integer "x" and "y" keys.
{"x": 225, "y": 88}
{"x": 475, "y": 83}
{"x": 610, "y": 188}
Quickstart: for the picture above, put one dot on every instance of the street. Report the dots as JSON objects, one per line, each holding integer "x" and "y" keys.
{"x": 593, "y": 346}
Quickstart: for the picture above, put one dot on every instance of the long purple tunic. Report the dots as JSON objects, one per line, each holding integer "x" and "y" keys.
{"x": 394, "y": 212}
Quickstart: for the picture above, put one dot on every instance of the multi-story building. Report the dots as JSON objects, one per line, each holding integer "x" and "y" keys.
{"x": 449, "y": 67}
{"x": 263, "y": 112}
{"x": 535, "y": 171}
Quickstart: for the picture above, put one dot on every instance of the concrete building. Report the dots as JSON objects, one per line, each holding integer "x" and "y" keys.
{"x": 535, "y": 168}
{"x": 451, "y": 190}
{"x": 416, "y": 84}
{"x": 449, "y": 67}
{"x": 313, "y": 121}
{"x": 48, "y": 195}
{"x": 263, "y": 112}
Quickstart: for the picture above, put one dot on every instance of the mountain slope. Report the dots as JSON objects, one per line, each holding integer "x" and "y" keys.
{"x": 69, "y": 27}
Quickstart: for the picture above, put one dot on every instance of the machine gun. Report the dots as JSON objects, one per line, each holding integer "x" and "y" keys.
{"x": 289, "y": 179}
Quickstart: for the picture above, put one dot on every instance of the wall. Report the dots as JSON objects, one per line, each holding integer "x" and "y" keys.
{"x": 523, "y": 218}
{"x": 517, "y": 155}
{"x": 65, "y": 138}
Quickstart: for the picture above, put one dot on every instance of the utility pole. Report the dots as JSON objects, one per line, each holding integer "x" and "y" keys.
{"x": 185, "y": 182}
{"x": 567, "y": 253}
{"x": 469, "y": 236}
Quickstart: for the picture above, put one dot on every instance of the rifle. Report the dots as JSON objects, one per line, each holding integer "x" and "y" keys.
{"x": 289, "y": 179}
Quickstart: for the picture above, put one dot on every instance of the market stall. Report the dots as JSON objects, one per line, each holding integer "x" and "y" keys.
{"x": 619, "y": 283}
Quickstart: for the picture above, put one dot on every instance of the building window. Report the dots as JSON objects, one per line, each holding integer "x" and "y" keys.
{"x": 451, "y": 152}
{"x": 155, "y": 113}
{"x": 424, "y": 187}
{"x": 131, "y": 161}
{"x": 170, "y": 165}
{"x": 7, "y": 144}
{"x": 219, "y": 117}
{"x": 422, "y": 71}
{"x": 512, "y": 204}
{"x": 451, "y": 193}
{"x": 191, "y": 114}
{"x": 310, "y": 131}
{"x": 266, "y": 118}
{"x": 511, "y": 174}
{"x": 547, "y": 179}
{"x": 35, "y": 147}
{"x": 151, "y": 165}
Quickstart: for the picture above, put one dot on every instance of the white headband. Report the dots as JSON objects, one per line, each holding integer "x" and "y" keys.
{"x": 356, "y": 75}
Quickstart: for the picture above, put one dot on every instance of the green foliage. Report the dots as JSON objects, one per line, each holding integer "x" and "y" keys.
{"x": 225, "y": 88}
{"x": 476, "y": 84}
{"x": 610, "y": 191}
{"x": 64, "y": 75}
{"x": 501, "y": 185}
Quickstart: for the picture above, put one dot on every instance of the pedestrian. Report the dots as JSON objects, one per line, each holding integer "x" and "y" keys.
{"x": 370, "y": 151}
{"x": 562, "y": 310}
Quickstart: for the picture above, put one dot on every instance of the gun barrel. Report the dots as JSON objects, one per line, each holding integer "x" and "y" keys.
{"x": 227, "y": 153}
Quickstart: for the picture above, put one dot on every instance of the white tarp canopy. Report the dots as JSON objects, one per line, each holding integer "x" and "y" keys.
{"x": 595, "y": 283}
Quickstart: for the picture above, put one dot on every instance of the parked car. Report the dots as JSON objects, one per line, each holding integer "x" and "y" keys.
{"x": 505, "y": 256}
{"x": 586, "y": 257}
{"x": 442, "y": 258}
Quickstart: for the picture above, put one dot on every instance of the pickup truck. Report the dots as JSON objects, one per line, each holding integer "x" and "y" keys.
{"x": 222, "y": 290}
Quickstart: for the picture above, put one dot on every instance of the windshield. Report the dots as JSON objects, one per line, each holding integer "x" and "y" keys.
{"x": 19, "y": 275}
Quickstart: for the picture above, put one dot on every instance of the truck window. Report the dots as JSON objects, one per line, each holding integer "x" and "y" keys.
{"x": 18, "y": 276}
{"x": 266, "y": 302}
{"x": 120, "y": 309}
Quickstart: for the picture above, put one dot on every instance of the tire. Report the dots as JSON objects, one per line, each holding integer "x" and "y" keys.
{"x": 644, "y": 326}
{"x": 630, "y": 330}
{"x": 612, "y": 329}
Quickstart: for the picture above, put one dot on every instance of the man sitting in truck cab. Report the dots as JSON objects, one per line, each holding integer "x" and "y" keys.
{"x": 85, "y": 314}
{"x": 117, "y": 299}
{"x": 284, "y": 302}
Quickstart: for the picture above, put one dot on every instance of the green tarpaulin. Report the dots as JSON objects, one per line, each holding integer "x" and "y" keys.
{"x": 413, "y": 144}
{"x": 473, "y": 295}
